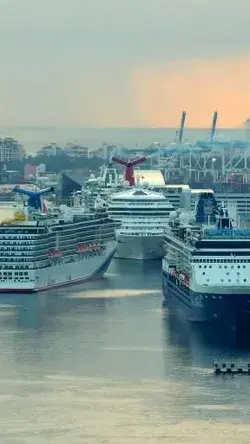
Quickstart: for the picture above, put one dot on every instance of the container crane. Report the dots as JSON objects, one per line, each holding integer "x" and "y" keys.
{"x": 182, "y": 124}
{"x": 214, "y": 123}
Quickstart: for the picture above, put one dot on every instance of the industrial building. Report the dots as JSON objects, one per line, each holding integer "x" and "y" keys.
{"x": 72, "y": 181}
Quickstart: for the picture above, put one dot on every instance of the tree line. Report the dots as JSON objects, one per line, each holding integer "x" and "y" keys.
{"x": 54, "y": 163}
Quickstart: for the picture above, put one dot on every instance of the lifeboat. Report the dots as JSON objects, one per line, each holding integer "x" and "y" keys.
{"x": 19, "y": 216}
{"x": 183, "y": 278}
{"x": 55, "y": 253}
{"x": 90, "y": 247}
{"x": 173, "y": 271}
{"x": 97, "y": 247}
{"x": 80, "y": 248}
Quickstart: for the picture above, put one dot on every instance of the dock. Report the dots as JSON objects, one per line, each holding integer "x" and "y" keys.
{"x": 224, "y": 368}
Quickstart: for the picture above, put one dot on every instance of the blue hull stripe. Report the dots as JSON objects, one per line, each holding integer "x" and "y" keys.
{"x": 205, "y": 307}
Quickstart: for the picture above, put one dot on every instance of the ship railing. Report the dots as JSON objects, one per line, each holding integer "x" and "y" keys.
{"x": 235, "y": 233}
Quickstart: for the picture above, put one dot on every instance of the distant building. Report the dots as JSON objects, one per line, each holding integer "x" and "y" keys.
{"x": 33, "y": 171}
{"x": 76, "y": 151}
{"x": 72, "y": 181}
{"x": 11, "y": 149}
{"x": 41, "y": 168}
{"x": 51, "y": 150}
{"x": 29, "y": 171}
{"x": 71, "y": 150}
{"x": 150, "y": 177}
{"x": 105, "y": 151}
{"x": 7, "y": 177}
{"x": 93, "y": 154}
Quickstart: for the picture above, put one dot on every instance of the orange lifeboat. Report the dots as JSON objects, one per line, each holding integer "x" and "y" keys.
{"x": 55, "y": 253}
{"x": 80, "y": 248}
{"x": 182, "y": 277}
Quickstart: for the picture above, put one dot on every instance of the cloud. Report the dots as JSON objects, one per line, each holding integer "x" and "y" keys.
{"x": 199, "y": 87}
{"x": 136, "y": 28}
{"x": 104, "y": 62}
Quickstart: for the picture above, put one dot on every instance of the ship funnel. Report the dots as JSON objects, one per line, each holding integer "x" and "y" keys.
{"x": 34, "y": 197}
{"x": 129, "y": 168}
{"x": 206, "y": 208}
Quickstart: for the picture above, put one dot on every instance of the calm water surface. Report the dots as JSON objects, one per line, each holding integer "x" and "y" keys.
{"x": 101, "y": 363}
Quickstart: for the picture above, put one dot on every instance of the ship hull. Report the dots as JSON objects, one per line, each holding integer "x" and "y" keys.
{"x": 229, "y": 310}
{"x": 60, "y": 275}
{"x": 139, "y": 247}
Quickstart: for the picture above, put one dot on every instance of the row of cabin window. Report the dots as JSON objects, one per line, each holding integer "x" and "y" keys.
{"x": 17, "y": 273}
{"x": 28, "y": 242}
{"x": 229, "y": 280}
{"x": 21, "y": 238}
{"x": 220, "y": 266}
{"x": 16, "y": 279}
{"x": 16, "y": 267}
{"x": 224, "y": 261}
{"x": 19, "y": 259}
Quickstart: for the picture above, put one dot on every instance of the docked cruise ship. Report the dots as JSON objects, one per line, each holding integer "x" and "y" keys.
{"x": 142, "y": 215}
{"x": 206, "y": 267}
{"x": 43, "y": 249}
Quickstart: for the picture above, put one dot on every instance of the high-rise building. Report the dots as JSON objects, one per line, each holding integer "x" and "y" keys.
{"x": 11, "y": 149}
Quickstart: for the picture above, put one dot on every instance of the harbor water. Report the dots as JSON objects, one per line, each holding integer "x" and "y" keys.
{"x": 103, "y": 363}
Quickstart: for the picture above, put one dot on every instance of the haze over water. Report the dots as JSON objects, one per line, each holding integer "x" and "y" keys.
{"x": 34, "y": 138}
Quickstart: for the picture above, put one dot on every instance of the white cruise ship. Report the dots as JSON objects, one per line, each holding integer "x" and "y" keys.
{"x": 206, "y": 266}
{"x": 42, "y": 250}
{"x": 142, "y": 215}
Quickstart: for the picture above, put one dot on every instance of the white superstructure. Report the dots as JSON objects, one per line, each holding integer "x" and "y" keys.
{"x": 142, "y": 215}
{"x": 206, "y": 265}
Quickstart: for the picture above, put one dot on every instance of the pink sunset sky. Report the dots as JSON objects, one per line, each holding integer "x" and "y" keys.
{"x": 124, "y": 63}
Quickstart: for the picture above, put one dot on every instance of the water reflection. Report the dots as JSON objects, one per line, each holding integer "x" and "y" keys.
{"x": 41, "y": 311}
{"x": 108, "y": 327}
{"x": 137, "y": 274}
{"x": 199, "y": 344}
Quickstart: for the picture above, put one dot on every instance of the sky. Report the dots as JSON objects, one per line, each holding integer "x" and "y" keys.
{"x": 129, "y": 63}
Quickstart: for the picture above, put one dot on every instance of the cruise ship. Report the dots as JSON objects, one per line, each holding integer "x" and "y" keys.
{"x": 142, "y": 215}
{"x": 43, "y": 249}
{"x": 206, "y": 267}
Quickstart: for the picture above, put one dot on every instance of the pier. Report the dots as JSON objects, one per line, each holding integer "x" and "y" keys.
{"x": 224, "y": 368}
